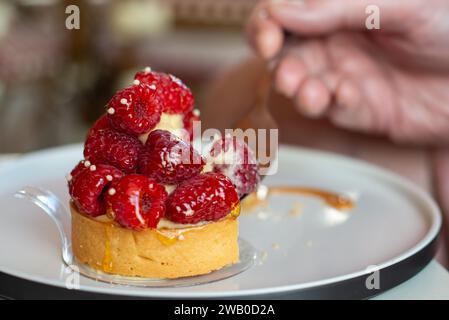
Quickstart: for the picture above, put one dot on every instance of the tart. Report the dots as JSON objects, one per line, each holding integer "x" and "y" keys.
{"x": 154, "y": 253}
{"x": 144, "y": 202}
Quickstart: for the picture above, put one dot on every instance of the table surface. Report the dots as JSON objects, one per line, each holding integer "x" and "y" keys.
{"x": 431, "y": 283}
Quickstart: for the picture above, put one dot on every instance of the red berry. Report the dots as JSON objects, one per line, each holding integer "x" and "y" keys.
{"x": 135, "y": 110}
{"x": 114, "y": 148}
{"x": 101, "y": 124}
{"x": 136, "y": 202}
{"x": 188, "y": 120}
{"x": 80, "y": 167}
{"x": 176, "y": 97}
{"x": 233, "y": 158}
{"x": 168, "y": 159}
{"x": 207, "y": 197}
{"x": 87, "y": 184}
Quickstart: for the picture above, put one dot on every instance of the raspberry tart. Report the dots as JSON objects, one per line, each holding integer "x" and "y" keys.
{"x": 144, "y": 202}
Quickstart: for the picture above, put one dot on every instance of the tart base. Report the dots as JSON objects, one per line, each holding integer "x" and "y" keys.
{"x": 166, "y": 253}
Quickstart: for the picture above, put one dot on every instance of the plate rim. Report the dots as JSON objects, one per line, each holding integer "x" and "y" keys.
{"x": 392, "y": 177}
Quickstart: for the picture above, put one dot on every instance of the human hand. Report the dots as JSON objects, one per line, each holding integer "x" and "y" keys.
{"x": 392, "y": 81}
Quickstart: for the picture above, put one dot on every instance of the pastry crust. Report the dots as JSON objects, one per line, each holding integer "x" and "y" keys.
{"x": 166, "y": 253}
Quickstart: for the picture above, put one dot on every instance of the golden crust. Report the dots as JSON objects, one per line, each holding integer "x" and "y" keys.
{"x": 168, "y": 253}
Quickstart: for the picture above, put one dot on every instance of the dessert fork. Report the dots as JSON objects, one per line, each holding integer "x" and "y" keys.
{"x": 52, "y": 206}
{"x": 259, "y": 117}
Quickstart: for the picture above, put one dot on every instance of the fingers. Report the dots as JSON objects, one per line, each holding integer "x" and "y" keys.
{"x": 263, "y": 34}
{"x": 289, "y": 75}
{"x": 319, "y": 92}
{"x": 304, "y": 75}
{"x": 307, "y": 18}
{"x": 346, "y": 111}
{"x": 313, "y": 98}
{"x": 266, "y": 25}
{"x": 319, "y": 17}
{"x": 268, "y": 38}
{"x": 333, "y": 96}
{"x": 347, "y": 94}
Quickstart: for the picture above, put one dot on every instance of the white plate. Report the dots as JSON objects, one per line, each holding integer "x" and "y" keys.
{"x": 393, "y": 226}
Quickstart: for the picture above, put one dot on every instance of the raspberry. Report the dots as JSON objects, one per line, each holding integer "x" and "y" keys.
{"x": 135, "y": 110}
{"x": 136, "y": 202}
{"x": 233, "y": 158}
{"x": 176, "y": 97}
{"x": 87, "y": 184}
{"x": 168, "y": 159}
{"x": 188, "y": 120}
{"x": 80, "y": 167}
{"x": 101, "y": 124}
{"x": 207, "y": 197}
{"x": 108, "y": 146}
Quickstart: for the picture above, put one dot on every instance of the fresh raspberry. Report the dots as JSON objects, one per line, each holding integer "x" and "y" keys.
{"x": 87, "y": 184}
{"x": 72, "y": 176}
{"x": 207, "y": 197}
{"x": 188, "y": 120}
{"x": 168, "y": 159}
{"x": 118, "y": 149}
{"x": 233, "y": 158}
{"x": 136, "y": 202}
{"x": 135, "y": 110}
{"x": 176, "y": 97}
{"x": 101, "y": 124}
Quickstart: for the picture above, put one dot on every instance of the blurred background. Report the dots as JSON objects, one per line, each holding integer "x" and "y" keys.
{"x": 54, "y": 82}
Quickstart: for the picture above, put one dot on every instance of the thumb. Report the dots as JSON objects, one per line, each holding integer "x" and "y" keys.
{"x": 320, "y": 17}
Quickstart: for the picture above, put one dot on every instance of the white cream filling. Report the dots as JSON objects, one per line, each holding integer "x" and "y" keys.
{"x": 169, "y": 188}
{"x": 170, "y": 122}
{"x": 167, "y": 224}
{"x": 163, "y": 223}
{"x": 223, "y": 158}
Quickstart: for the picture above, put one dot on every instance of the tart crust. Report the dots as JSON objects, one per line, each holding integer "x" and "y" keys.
{"x": 165, "y": 253}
